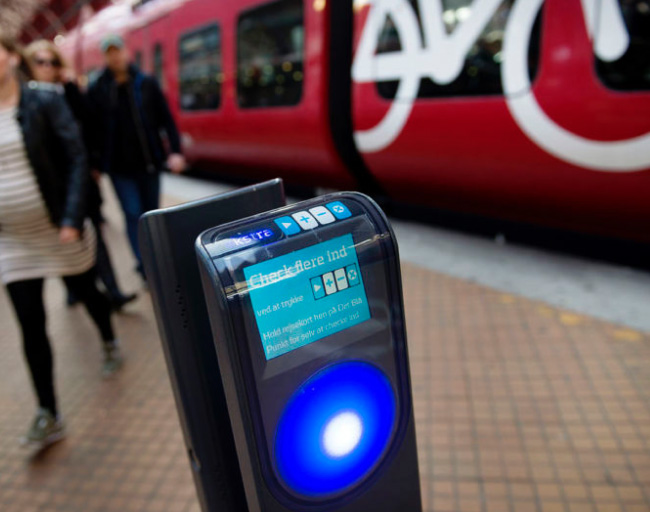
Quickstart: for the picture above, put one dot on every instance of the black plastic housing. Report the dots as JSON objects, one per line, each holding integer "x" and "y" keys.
{"x": 167, "y": 239}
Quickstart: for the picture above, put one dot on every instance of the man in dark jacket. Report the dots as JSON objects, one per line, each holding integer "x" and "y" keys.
{"x": 129, "y": 112}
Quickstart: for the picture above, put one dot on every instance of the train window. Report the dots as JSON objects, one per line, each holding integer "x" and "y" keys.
{"x": 481, "y": 71}
{"x": 200, "y": 69}
{"x": 632, "y": 70}
{"x": 158, "y": 65}
{"x": 138, "y": 59}
{"x": 270, "y": 53}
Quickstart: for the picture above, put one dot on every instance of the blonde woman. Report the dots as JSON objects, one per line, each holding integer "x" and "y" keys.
{"x": 43, "y": 180}
{"x": 48, "y": 65}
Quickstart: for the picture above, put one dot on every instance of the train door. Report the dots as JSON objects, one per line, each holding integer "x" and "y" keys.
{"x": 136, "y": 42}
{"x": 276, "y": 111}
{"x": 159, "y": 54}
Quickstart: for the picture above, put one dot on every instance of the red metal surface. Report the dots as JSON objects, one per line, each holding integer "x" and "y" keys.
{"x": 462, "y": 153}
{"x": 469, "y": 154}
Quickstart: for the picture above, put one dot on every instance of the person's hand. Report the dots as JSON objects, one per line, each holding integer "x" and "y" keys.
{"x": 67, "y": 235}
{"x": 68, "y": 75}
{"x": 96, "y": 175}
{"x": 176, "y": 163}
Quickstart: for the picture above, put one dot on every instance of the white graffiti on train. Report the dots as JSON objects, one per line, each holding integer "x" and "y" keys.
{"x": 440, "y": 57}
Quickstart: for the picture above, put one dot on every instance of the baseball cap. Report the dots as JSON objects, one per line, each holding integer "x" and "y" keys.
{"x": 111, "y": 40}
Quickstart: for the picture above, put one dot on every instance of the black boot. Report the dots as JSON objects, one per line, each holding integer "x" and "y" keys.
{"x": 118, "y": 301}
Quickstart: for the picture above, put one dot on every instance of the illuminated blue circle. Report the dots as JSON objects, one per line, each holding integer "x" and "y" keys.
{"x": 351, "y": 398}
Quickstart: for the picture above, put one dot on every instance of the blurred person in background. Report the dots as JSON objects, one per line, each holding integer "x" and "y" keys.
{"x": 43, "y": 234}
{"x": 130, "y": 111}
{"x": 48, "y": 65}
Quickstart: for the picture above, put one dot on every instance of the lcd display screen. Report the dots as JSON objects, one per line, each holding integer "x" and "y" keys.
{"x": 306, "y": 295}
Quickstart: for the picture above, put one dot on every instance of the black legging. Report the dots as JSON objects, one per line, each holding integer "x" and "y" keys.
{"x": 27, "y": 299}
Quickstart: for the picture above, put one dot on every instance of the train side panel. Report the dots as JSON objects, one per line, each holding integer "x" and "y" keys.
{"x": 486, "y": 153}
{"x": 249, "y": 132}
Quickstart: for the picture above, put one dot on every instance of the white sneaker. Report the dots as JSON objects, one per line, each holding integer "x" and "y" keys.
{"x": 45, "y": 430}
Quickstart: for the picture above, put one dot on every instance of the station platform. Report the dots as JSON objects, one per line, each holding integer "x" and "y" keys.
{"x": 520, "y": 406}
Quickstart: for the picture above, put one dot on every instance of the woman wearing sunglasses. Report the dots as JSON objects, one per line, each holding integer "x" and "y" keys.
{"x": 43, "y": 178}
{"x": 48, "y": 65}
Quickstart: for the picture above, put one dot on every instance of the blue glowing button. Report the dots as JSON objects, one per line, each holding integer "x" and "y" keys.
{"x": 288, "y": 226}
{"x": 339, "y": 210}
{"x": 335, "y": 429}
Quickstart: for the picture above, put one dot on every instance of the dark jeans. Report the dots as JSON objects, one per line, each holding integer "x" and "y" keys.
{"x": 137, "y": 194}
{"x": 27, "y": 300}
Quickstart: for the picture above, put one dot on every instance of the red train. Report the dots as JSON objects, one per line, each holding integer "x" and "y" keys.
{"x": 534, "y": 110}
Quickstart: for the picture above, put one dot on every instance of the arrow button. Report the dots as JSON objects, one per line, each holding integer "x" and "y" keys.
{"x": 317, "y": 287}
{"x": 288, "y": 226}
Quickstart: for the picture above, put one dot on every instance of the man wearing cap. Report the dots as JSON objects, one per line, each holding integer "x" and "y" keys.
{"x": 129, "y": 113}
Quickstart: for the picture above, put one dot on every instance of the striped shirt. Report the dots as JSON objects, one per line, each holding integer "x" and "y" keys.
{"x": 29, "y": 241}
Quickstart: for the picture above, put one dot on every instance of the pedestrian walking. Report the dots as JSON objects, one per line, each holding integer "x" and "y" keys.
{"x": 43, "y": 234}
{"x": 48, "y": 65}
{"x": 130, "y": 112}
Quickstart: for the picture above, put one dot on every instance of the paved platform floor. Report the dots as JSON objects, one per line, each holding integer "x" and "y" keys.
{"x": 519, "y": 407}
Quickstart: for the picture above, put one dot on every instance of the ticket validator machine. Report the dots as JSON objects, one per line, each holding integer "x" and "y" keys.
{"x": 307, "y": 316}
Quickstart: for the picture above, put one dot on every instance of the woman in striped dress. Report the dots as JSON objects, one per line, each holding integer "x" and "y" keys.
{"x": 42, "y": 229}
{"x": 47, "y": 65}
